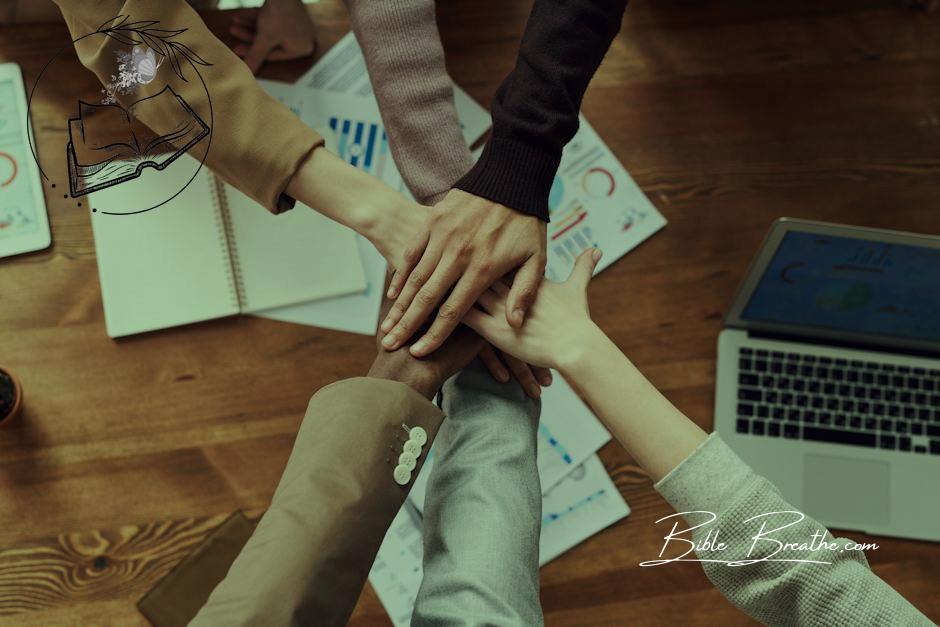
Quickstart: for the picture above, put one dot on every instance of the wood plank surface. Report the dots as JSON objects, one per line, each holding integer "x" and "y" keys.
{"x": 728, "y": 114}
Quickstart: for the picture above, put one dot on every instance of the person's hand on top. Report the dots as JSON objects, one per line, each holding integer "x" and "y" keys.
{"x": 471, "y": 244}
{"x": 278, "y": 31}
{"x": 557, "y": 325}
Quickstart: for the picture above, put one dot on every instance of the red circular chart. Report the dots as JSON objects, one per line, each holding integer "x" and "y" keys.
{"x": 598, "y": 182}
{"x": 8, "y": 169}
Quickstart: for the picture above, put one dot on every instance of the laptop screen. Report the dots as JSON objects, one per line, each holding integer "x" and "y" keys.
{"x": 855, "y": 286}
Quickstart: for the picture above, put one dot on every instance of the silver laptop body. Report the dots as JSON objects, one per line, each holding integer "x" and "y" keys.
{"x": 828, "y": 377}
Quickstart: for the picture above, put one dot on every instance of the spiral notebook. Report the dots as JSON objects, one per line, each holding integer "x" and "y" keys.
{"x": 211, "y": 252}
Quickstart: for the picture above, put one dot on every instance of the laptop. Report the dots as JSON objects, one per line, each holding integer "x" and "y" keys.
{"x": 828, "y": 378}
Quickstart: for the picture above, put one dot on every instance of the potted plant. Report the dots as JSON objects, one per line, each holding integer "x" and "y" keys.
{"x": 11, "y": 396}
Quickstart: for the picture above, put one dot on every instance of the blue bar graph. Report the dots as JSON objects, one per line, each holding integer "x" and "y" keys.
{"x": 361, "y": 144}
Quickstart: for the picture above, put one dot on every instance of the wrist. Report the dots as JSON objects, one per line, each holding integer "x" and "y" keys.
{"x": 339, "y": 191}
{"x": 421, "y": 382}
{"x": 580, "y": 349}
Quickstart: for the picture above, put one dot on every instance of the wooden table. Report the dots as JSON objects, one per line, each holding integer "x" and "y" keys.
{"x": 728, "y": 115}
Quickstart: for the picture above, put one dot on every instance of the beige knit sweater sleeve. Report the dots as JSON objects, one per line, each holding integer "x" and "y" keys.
{"x": 834, "y": 586}
{"x": 405, "y": 59}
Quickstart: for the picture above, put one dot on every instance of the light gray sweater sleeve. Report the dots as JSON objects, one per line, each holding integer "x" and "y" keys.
{"x": 483, "y": 508}
{"x": 405, "y": 59}
{"x": 842, "y": 591}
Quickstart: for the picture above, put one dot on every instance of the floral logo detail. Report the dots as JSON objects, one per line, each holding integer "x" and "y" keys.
{"x": 139, "y": 67}
{"x": 136, "y": 68}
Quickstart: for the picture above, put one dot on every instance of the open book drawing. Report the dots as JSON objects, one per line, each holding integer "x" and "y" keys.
{"x": 108, "y": 144}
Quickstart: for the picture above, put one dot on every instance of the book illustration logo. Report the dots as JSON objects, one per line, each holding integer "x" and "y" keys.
{"x": 108, "y": 145}
{"x": 116, "y": 142}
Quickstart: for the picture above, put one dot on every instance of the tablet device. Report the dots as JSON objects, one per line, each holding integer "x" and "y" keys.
{"x": 24, "y": 224}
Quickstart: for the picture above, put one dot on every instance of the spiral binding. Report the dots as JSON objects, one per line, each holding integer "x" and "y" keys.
{"x": 227, "y": 239}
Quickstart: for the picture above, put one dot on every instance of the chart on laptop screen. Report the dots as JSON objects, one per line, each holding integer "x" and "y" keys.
{"x": 852, "y": 285}
{"x": 17, "y": 205}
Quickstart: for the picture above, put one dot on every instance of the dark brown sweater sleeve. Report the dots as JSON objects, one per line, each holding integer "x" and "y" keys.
{"x": 535, "y": 110}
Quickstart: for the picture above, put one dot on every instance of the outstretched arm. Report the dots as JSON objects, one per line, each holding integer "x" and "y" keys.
{"x": 257, "y": 144}
{"x": 346, "y": 478}
{"x": 493, "y": 223}
{"x": 405, "y": 59}
{"x": 693, "y": 472}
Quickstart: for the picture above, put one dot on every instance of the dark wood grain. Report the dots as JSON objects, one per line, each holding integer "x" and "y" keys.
{"x": 728, "y": 114}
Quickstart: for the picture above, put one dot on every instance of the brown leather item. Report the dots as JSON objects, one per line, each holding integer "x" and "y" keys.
{"x": 176, "y": 599}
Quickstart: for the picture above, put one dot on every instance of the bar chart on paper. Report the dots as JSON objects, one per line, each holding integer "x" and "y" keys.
{"x": 364, "y": 145}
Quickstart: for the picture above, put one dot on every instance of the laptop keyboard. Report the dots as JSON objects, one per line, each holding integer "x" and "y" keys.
{"x": 807, "y": 397}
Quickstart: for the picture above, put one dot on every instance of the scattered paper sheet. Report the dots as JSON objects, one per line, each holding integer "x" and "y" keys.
{"x": 585, "y": 502}
{"x": 396, "y": 572}
{"x": 594, "y": 202}
{"x": 581, "y": 505}
{"x": 568, "y": 435}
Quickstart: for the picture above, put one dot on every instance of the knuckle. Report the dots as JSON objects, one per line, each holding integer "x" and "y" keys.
{"x": 448, "y": 312}
{"x": 417, "y": 279}
{"x": 485, "y": 268}
{"x": 464, "y": 248}
{"x": 436, "y": 216}
{"x": 425, "y": 298}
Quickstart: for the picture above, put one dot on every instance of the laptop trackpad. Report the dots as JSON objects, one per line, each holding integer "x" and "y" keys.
{"x": 850, "y": 490}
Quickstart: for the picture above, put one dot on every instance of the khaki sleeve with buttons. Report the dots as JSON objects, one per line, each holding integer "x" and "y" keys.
{"x": 257, "y": 144}
{"x": 311, "y": 553}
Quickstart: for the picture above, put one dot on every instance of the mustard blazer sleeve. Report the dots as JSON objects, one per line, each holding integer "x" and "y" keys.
{"x": 309, "y": 557}
{"x": 256, "y": 145}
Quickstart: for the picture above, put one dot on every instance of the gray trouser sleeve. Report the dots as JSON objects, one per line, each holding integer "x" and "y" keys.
{"x": 483, "y": 508}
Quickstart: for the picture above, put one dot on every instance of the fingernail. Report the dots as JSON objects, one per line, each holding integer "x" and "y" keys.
{"x": 418, "y": 349}
{"x": 518, "y": 315}
{"x": 390, "y": 293}
{"x": 545, "y": 379}
{"x": 596, "y": 255}
{"x": 389, "y": 341}
{"x": 387, "y": 325}
{"x": 502, "y": 376}
{"x": 534, "y": 390}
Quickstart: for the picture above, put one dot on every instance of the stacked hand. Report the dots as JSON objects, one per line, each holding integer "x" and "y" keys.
{"x": 470, "y": 244}
{"x": 557, "y": 327}
{"x": 465, "y": 246}
{"x": 426, "y": 376}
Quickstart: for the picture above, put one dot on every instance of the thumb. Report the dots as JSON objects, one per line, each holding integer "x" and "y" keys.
{"x": 584, "y": 268}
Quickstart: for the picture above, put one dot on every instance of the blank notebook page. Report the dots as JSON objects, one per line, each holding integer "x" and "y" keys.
{"x": 168, "y": 266}
{"x": 294, "y": 257}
